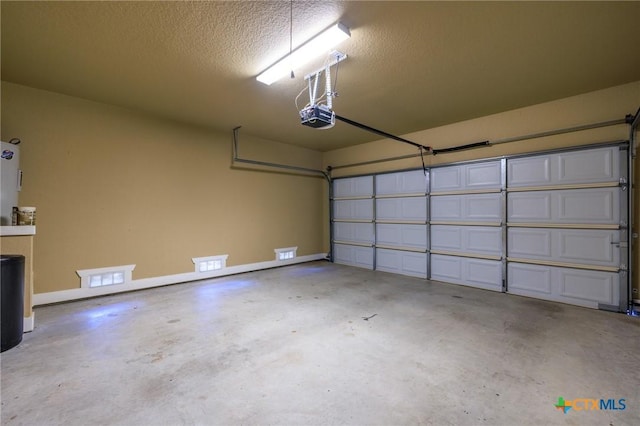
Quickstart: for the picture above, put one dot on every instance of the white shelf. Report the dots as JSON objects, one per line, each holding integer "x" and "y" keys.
{"x": 14, "y": 231}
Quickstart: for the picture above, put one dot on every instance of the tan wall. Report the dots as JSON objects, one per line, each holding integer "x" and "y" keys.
{"x": 115, "y": 187}
{"x": 604, "y": 105}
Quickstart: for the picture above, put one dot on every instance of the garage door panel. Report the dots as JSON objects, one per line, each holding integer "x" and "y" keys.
{"x": 414, "y": 236}
{"x": 473, "y": 176}
{"x": 446, "y": 208}
{"x": 446, "y": 268}
{"x": 588, "y": 246}
{"x": 388, "y": 234}
{"x": 581, "y": 246}
{"x": 446, "y": 179}
{"x": 485, "y": 207}
{"x": 532, "y": 171}
{"x": 483, "y": 175}
{"x": 483, "y": 273}
{"x": 414, "y": 264}
{"x": 482, "y": 240}
{"x": 589, "y": 166}
{"x": 468, "y": 207}
{"x": 597, "y": 286}
{"x": 353, "y": 187}
{"x": 402, "y": 262}
{"x": 532, "y": 280}
{"x": 411, "y": 182}
{"x": 574, "y": 286}
{"x": 529, "y": 207}
{"x": 354, "y": 232}
{"x": 574, "y": 167}
{"x": 592, "y": 206}
{"x": 529, "y": 243}
{"x": 402, "y": 235}
{"x": 353, "y": 209}
{"x": 353, "y": 255}
{"x": 445, "y": 237}
{"x": 480, "y": 273}
{"x": 588, "y": 205}
{"x": 408, "y": 208}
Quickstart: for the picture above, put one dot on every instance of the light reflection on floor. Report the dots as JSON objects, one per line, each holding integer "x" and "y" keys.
{"x": 308, "y": 270}
{"x": 207, "y": 294}
{"x": 98, "y": 315}
{"x": 215, "y": 289}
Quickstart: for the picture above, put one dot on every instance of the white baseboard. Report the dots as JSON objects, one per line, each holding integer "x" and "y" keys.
{"x": 144, "y": 283}
{"x": 28, "y": 323}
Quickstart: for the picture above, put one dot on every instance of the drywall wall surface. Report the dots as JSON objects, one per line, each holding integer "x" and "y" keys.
{"x": 589, "y": 108}
{"x": 115, "y": 187}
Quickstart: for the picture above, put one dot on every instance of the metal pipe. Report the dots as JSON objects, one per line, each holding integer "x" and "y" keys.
{"x": 632, "y": 233}
{"x": 326, "y": 175}
{"x": 560, "y": 131}
{"x": 315, "y": 89}
{"x": 497, "y": 142}
{"x": 237, "y": 159}
{"x": 327, "y": 87}
{"x": 280, "y": 166}
{"x": 383, "y": 160}
{"x": 461, "y": 147}
{"x": 381, "y": 132}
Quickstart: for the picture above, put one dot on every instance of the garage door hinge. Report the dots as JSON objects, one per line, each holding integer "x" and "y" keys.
{"x": 623, "y": 267}
{"x": 623, "y": 183}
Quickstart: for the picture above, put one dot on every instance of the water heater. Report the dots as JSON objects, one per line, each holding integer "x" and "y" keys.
{"x": 10, "y": 181}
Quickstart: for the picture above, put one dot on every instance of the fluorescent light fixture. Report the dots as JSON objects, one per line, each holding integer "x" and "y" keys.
{"x": 318, "y": 45}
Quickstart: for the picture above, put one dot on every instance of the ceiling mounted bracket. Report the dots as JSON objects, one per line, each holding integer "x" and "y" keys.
{"x": 320, "y": 115}
{"x": 334, "y": 57}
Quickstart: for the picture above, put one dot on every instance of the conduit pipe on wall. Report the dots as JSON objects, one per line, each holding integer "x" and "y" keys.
{"x": 560, "y": 131}
{"x": 303, "y": 170}
{"x": 489, "y": 143}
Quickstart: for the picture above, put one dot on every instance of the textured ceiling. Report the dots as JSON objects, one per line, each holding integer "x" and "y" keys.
{"x": 411, "y": 65}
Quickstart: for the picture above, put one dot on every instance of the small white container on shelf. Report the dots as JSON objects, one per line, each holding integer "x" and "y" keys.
{"x": 26, "y": 216}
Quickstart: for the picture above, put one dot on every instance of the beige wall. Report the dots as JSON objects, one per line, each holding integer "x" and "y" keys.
{"x": 604, "y": 105}
{"x": 116, "y": 187}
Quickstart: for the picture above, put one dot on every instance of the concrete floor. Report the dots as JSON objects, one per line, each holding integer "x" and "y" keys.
{"x": 290, "y": 346}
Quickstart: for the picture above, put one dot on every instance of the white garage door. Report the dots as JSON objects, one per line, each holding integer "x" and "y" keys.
{"x": 402, "y": 236}
{"x": 564, "y": 215}
{"x": 466, "y": 224}
{"x": 550, "y": 226}
{"x": 353, "y": 228}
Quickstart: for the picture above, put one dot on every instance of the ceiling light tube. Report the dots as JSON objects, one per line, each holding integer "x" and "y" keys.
{"x": 318, "y": 45}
